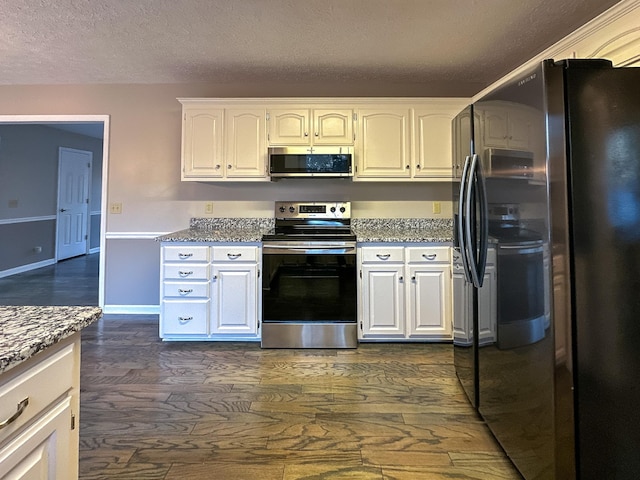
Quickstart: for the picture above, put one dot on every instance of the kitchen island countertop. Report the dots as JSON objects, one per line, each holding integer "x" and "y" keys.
{"x": 27, "y": 330}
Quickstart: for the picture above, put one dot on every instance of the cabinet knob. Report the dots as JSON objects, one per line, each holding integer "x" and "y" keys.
{"x": 401, "y": 278}
{"x": 317, "y": 134}
{"x": 229, "y": 167}
{"x": 306, "y": 134}
{"x": 215, "y": 277}
{"x": 407, "y": 167}
{"x": 413, "y": 279}
{"x": 217, "y": 167}
{"x": 418, "y": 166}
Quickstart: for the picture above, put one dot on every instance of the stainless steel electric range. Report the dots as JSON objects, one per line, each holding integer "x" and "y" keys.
{"x": 309, "y": 281}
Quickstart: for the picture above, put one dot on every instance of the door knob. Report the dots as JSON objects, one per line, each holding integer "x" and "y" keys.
{"x": 63, "y": 210}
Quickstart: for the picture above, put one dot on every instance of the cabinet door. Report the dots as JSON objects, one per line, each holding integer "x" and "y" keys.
{"x": 246, "y": 144}
{"x": 289, "y": 127}
{"x": 234, "y": 299}
{"x": 202, "y": 146}
{"x": 383, "y": 145}
{"x": 42, "y": 451}
{"x": 383, "y": 301}
{"x": 432, "y": 144}
{"x": 487, "y": 307}
{"x": 333, "y": 127}
{"x": 430, "y": 301}
{"x": 519, "y": 129}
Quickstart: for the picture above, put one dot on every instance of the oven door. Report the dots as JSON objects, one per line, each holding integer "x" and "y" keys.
{"x": 309, "y": 295}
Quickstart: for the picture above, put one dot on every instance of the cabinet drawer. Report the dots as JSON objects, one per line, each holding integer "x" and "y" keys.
{"x": 186, "y": 253}
{"x": 41, "y": 385}
{"x": 428, "y": 254}
{"x": 186, "y": 272}
{"x": 382, "y": 254}
{"x": 185, "y": 317}
{"x": 235, "y": 254}
{"x": 186, "y": 289}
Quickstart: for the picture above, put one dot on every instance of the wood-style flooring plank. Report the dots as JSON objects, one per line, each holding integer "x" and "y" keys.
{"x": 232, "y": 411}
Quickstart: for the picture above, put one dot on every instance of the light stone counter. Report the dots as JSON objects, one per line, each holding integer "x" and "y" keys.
{"x": 414, "y": 230}
{"x": 25, "y": 331}
{"x": 222, "y": 230}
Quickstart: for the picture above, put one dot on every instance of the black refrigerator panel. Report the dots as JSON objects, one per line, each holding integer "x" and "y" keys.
{"x": 464, "y": 320}
{"x": 603, "y": 129}
{"x": 515, "y": 358}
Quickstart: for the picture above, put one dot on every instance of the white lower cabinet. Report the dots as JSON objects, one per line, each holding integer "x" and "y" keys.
{"x": 405, "y": 292}
{"x": 233, "y": 299}
{"x": 41, "y": 397}
{"x": 210, "y": 291}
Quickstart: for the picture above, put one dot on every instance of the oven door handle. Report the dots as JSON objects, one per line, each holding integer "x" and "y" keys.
{"x": 315, "y": 250}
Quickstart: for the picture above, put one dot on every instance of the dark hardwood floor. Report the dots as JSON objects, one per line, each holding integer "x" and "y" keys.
{"x": 232, "y": 411}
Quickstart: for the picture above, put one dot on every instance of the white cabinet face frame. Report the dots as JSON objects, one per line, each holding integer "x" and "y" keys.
{"x": 289, "y": 127}
{"x": 333, "y": 127}
{"x": 433, "y": 144}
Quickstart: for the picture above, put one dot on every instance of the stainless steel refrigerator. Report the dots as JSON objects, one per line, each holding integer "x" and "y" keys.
{"x": 547, "y": 268}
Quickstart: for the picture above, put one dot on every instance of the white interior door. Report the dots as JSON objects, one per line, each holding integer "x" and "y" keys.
{"x": 74, "y": 173}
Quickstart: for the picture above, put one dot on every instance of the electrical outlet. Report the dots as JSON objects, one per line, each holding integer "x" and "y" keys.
{"x": 436, "y": 207}
{"x": 115, "y": 208}
{"x": 208, "y": 208}
{"x": 37, "y": 249}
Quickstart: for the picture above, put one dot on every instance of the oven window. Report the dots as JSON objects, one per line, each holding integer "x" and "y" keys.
{"x": 309, "y": 288}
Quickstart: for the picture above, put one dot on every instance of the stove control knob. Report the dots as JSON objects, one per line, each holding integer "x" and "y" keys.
{"x": 281, "y": 209}
{"x": 342, "y": 209}
{"x": 292, "y": 209}
{"x": 333, "y": 209}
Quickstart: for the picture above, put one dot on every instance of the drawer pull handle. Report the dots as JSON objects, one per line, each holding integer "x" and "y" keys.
{"x": 431, "y": 256}
{"x": 383, "y": 256}
{"x": 233, "y": 256}
{"x": 185, "y": 274}
{"x": 20, "y": 408}
{"x": 183, "y": 291}
{"x": 185, "y": 319}
{"x": 185, "y": 255}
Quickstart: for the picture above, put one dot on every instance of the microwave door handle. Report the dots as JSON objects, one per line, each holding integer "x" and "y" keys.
{"x": 484, "y": 223}
{"x": 470, "y": 244}
{"x": 461, "y": 218}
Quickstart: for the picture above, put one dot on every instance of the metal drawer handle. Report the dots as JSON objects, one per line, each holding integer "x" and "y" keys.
{"x": 185, "y": 274}
{"x": 431, "y": 256}
{"x": 20, "y": 408}
{"x": 184, "y": 319}
{"x": 233, "y": 256}
{"x": 185, "y": 291}
{"x": 185, "y": 255}
{"x": 383, "y": 256}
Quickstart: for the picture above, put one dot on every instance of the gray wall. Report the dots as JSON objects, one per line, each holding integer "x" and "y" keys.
{"x": 28, "y": 190}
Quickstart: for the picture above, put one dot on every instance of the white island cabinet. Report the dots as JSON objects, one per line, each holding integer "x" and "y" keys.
{"x": 40, "y": 391}
{"x": 210, "y": 291}
{"x": 405, "y": 292}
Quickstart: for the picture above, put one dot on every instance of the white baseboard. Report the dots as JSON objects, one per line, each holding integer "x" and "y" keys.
{"x": 131, "y": 309}
{"x": 94, "y": 250}
{"x": 26, "y": 268}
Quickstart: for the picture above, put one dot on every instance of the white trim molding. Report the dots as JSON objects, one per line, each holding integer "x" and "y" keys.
{"x": 131, "y": 309}
{"x": 133, "y": 235}
{"x": 28, "y": 267}
{"x": 11, "y": 221}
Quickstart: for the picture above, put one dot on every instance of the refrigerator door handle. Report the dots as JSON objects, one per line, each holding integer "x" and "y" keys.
{"x": 461, "y": 218}
{"x": 471, "y": 249}
{"x": 484, "y": 222}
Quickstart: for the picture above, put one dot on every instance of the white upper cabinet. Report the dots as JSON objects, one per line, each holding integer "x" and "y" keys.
{"x": 433, "y": 140}
{"x": 202, "y": 147}
{"x": 383, "y": 146}
{"x": 246, "y": 144}
{"x": 303, "y": 126}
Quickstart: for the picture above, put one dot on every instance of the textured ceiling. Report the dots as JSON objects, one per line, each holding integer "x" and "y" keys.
{"x": 463, "y": 43}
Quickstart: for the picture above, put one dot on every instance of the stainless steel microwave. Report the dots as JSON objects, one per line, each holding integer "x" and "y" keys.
{"x": 313, "y": 162}
{"x": 503, "y": 163}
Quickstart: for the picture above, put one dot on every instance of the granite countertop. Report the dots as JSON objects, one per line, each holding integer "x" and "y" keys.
{"x": 418, "y": 230}
{"x": 222, "y": 230}
{"x": 25, "y": 331}
{"x": 425, "y": 230}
